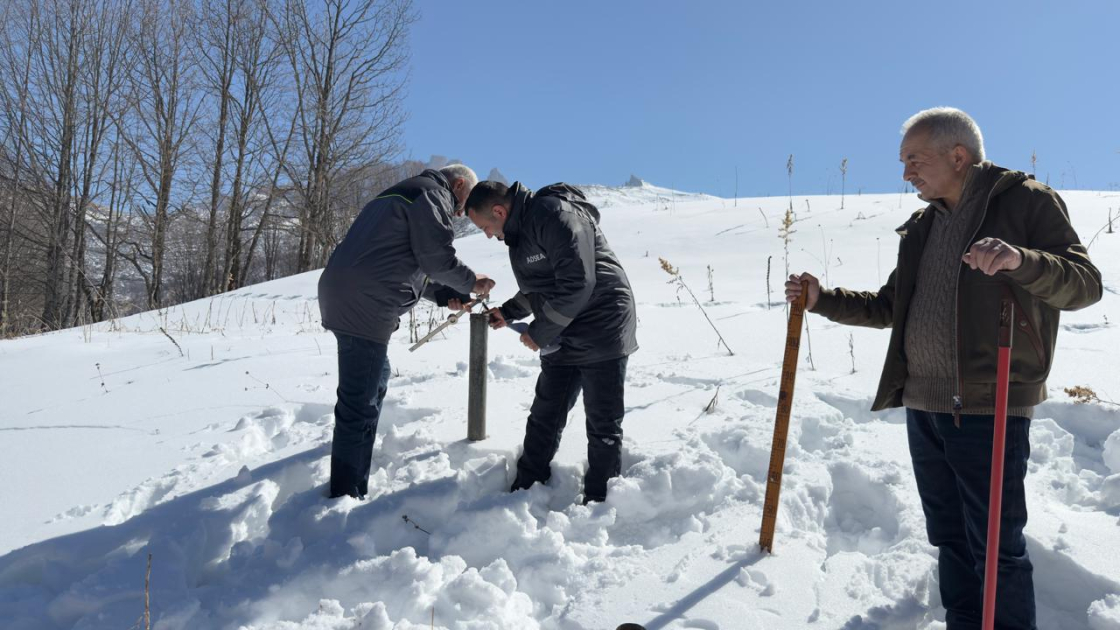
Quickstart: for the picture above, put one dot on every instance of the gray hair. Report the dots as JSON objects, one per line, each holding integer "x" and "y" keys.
{"x": 948, "y": 127}
{"x": 460, "y": 171}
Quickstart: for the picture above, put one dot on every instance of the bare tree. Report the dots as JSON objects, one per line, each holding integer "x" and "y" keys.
{"x": 256, "y": 54}
{"x": 109, "y": 232}
{"x": 269, "y": 225}
{"x": 103, "y": 72}
{"x": 165, "y": 108}
{"x": 347, "y": 61}
{"x": 162, "y": 150}
{"x": 222, "y": 21}
{"x": 63, "y": 65}
{"x": 267, "y": 220}
{"x": 53, "y": 112}
{"x": 16, "y": 64}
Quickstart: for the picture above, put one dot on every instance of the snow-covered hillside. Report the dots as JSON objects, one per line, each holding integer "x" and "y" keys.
{"x": 199, "y": 435}
{"x": 638, "y": 192}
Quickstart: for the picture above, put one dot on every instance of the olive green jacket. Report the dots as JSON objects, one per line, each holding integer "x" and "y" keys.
{"x": 1056, "y": 275}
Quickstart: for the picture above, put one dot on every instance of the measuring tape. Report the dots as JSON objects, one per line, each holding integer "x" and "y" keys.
{"x": 781, "y": 423}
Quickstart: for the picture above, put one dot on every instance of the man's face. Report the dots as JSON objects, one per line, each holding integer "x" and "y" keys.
{"x": 936, "y": 172}
{"x": 491, "y": 223}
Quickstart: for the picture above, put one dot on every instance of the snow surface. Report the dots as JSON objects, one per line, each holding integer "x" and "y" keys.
{"x": 114, "y": 446}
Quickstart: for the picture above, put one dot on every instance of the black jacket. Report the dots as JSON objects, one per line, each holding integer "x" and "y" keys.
{"x": 569, "y": 279}
{"x": 399, "y": 245}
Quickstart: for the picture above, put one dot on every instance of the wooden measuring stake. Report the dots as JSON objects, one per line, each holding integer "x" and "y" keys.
{"x": 781, "y": 423}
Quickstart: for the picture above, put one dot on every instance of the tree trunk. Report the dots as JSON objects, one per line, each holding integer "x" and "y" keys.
{"x": 60, "y": 216}
{"x": 210, "y": 282}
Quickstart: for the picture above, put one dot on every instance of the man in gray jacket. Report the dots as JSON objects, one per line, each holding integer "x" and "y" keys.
{"x": 583, "y": 318}
{"x": 398, "y": 250}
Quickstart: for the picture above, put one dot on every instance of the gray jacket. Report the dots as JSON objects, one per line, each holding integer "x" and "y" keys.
{"x": 569, "y": 279}
{"x": 400, "y": 244}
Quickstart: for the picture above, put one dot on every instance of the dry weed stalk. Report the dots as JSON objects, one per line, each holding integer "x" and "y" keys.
{"x": 1083, "y": 394}
{"x": 679, "y": 281}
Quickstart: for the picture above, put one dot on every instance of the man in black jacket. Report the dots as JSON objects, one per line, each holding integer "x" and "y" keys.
{"x": 398, "y": 250}
{"x": 583, "y": 318}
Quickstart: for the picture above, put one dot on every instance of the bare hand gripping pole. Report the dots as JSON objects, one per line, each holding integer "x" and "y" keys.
{"x": 781, "y": 423}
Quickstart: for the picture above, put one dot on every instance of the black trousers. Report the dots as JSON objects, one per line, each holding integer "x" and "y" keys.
{"x": 557, "y": 389}
{"x": 363, "y": 378}
{"x": 953, "y": 467}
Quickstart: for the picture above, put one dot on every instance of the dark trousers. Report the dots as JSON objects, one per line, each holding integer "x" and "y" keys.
{"x": 557, "y": 389}
{"x": 363, "y": 377}
{"x": 953, "y": 467}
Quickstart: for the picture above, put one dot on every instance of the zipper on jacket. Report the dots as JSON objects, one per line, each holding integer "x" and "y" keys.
{"x": 958, "y": 400}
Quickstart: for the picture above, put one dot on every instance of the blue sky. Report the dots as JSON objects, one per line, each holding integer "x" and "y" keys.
{"x": 683, "y": 93}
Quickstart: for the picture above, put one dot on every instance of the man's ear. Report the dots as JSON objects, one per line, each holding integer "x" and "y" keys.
{"x": 961, "y": 158}
{"x": 499, "y": 211}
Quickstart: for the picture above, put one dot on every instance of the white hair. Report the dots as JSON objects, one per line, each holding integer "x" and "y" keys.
{"x": 948, "y": 127}
{"x": 460, "y": 171}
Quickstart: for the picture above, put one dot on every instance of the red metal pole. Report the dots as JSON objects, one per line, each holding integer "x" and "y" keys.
{"x": 999, "y": 439}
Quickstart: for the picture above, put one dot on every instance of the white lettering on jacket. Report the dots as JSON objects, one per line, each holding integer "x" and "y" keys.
{"x": 535, "y": 258}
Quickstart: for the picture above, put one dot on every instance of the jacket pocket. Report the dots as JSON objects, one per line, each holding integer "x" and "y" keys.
{"x": 1024, "y": 325}
{"x": 979, "y": 335}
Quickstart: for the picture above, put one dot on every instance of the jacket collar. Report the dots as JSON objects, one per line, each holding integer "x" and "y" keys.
{"x": 439, "y": 178}
{"x": 521, "y": 198}
{"x": 985, "y": 180}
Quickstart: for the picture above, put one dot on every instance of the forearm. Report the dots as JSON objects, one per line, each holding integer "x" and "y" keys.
{"x": 441, "y": 294}
{"x": 517, "y": 307}
{"x": 1065, "y": 279}
{"x": 873, "y": 309}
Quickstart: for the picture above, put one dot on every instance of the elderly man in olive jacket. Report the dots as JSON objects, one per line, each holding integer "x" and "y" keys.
{"x": 398, "y": 250}
{"x": 988, "y": 235}
{"x": 584, "y": 322}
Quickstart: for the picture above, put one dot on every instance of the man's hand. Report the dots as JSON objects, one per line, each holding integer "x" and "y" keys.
{"x": 482, "y": 285}
{"x": 496, "y": 319}
{"x": 456, "y": 305}
{"x": 793, "y": 289}
{"x": 991, "y": 255}
{"x": 528, "y": 341}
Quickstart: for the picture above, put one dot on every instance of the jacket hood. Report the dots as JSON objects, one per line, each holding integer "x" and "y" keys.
{"x": 996, "y": 181}
{"x": 521, "y": 197}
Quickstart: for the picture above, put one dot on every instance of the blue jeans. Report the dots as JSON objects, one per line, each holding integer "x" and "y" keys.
{"x": 363, "y": 378}
{"x": 557, "y": 389}
{"x": 953, "y": 467}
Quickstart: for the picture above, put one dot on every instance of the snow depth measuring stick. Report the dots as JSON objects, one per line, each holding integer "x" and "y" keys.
{"x": 781, "y": 423}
